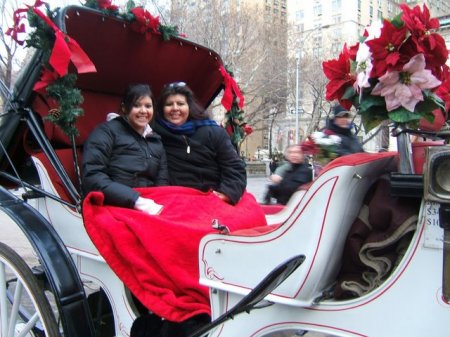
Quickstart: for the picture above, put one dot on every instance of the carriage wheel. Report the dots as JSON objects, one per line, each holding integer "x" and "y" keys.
{"x": 24, "y": 308}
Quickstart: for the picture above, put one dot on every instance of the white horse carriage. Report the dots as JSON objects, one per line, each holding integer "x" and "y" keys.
{"x": 277, "y": 280}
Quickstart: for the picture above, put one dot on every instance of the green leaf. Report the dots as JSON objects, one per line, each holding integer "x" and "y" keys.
{"x": 397, "y": 21}
{"x": 402, "y": 115}
{"x": 349, "y": 93}
{"x": 130, "y": 5}
{"x": 371, "y": 101}
{"x": 168, "y": 32}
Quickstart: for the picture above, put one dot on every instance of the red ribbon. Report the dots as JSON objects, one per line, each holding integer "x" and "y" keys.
{"x": 231, "y": 88}
{"x": 65, "y": 50}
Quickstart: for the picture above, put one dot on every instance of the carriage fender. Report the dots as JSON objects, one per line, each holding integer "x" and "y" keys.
{"x": 57, "y": 263}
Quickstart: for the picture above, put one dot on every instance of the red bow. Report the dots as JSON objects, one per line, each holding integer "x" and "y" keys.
{"x": 65, "y": 50}
{"x": 18, "y": 27}
{"x": 230, "y": 88}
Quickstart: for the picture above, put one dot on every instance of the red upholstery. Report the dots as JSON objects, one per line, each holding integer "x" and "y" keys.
{"x": 96, "y": 106}
{"x": 272, "y": 209}
{"x": 66, "y": 158}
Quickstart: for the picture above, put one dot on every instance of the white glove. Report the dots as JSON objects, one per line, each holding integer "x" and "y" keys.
{"x": 148, "y": 206}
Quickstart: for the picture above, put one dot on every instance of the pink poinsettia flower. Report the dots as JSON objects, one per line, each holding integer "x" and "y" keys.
{"x": 404, "y": 88}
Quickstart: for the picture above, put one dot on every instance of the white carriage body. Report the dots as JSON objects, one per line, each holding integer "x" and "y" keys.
{"x": 314, "y": 223}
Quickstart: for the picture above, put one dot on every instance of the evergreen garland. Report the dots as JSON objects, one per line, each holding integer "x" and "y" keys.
{"x": 69, "y": 99}
{"x": 62, "y": 90}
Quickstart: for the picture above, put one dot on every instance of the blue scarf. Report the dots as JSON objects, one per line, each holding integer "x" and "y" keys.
{"x": 187, "y": 128}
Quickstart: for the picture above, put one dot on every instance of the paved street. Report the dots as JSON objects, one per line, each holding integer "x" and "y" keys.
{"x": 256, "y": 185}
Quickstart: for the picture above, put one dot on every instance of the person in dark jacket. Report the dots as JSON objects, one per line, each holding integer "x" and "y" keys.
{"x": 340, "y": 124}
{"x": 199, "y": 152}
{"x": 124, "y": 152}
{"x": 297, "y": 174}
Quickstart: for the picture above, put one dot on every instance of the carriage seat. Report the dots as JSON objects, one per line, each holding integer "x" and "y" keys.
{"x": 315, "y": 224}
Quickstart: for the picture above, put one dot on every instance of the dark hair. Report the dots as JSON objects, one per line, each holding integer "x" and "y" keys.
{"x": 180, "y": 88}
{"x": 133, "y": 93}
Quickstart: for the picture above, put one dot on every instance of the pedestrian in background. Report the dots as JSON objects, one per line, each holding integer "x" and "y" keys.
{"x": 297, "y": 172}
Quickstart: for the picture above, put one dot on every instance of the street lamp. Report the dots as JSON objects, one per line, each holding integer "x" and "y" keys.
{"x": 296, "y": 95}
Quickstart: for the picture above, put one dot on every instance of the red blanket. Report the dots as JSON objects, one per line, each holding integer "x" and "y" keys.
{"x": 157, "y": 256}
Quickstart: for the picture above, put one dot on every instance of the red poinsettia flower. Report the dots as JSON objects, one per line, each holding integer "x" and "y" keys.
{"x": 145, "y": 23}
{"x": 423, "y": 37}
{"x": 385, "y": 49}
{"x": 417, "y": 21}
{"x": 47, "y": 78}
{"x": 340, "y": 76}
{"x": 107, "y": 4}
{"x": 309, "y": 147}
{"x": 444, "y": 89}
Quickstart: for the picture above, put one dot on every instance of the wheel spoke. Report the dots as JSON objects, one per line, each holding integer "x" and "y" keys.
{"x": 27, "y": 327}
{"x": 3, "y": 301}
{"x": 15, "y": 308}
{"x": 24, "y": 307}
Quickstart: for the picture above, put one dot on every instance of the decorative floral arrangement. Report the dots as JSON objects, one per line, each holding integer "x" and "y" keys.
{"x": 321, "y": 146}
{"x": 396, "y": 72}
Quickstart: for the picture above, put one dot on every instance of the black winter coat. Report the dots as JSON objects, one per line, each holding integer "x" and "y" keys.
{"x": 293, "y": 178}
{"x": 117, "y": 158}
{"x": 349, "y": 142}
{"x": 205, "y": 160}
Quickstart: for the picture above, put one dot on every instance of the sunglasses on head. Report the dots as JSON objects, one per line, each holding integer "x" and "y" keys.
{"x": 176, "y": 85}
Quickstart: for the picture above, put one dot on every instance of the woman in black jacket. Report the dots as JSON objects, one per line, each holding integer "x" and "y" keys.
{"x": 124, "y": 152}
{"x": 199, "y": 152}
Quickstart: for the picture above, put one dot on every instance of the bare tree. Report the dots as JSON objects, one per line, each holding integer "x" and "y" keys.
{"x": 9, "y": 47}
{"x": 254, "y": 49}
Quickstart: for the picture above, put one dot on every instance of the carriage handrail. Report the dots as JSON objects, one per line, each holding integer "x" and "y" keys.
{"x": 40, "y": 191}
{"x": 20, "y": 181}
{"x": 51, "y": 154}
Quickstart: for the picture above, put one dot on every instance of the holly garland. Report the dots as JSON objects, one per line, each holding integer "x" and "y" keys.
{"x": 235, "y": 125}
{"x": 59, "y": 50}
{"x": 233, "y": 102}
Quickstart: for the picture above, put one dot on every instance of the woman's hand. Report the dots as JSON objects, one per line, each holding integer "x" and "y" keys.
{"x": 222, "y": 196}
{"x": 148, "y": 206}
